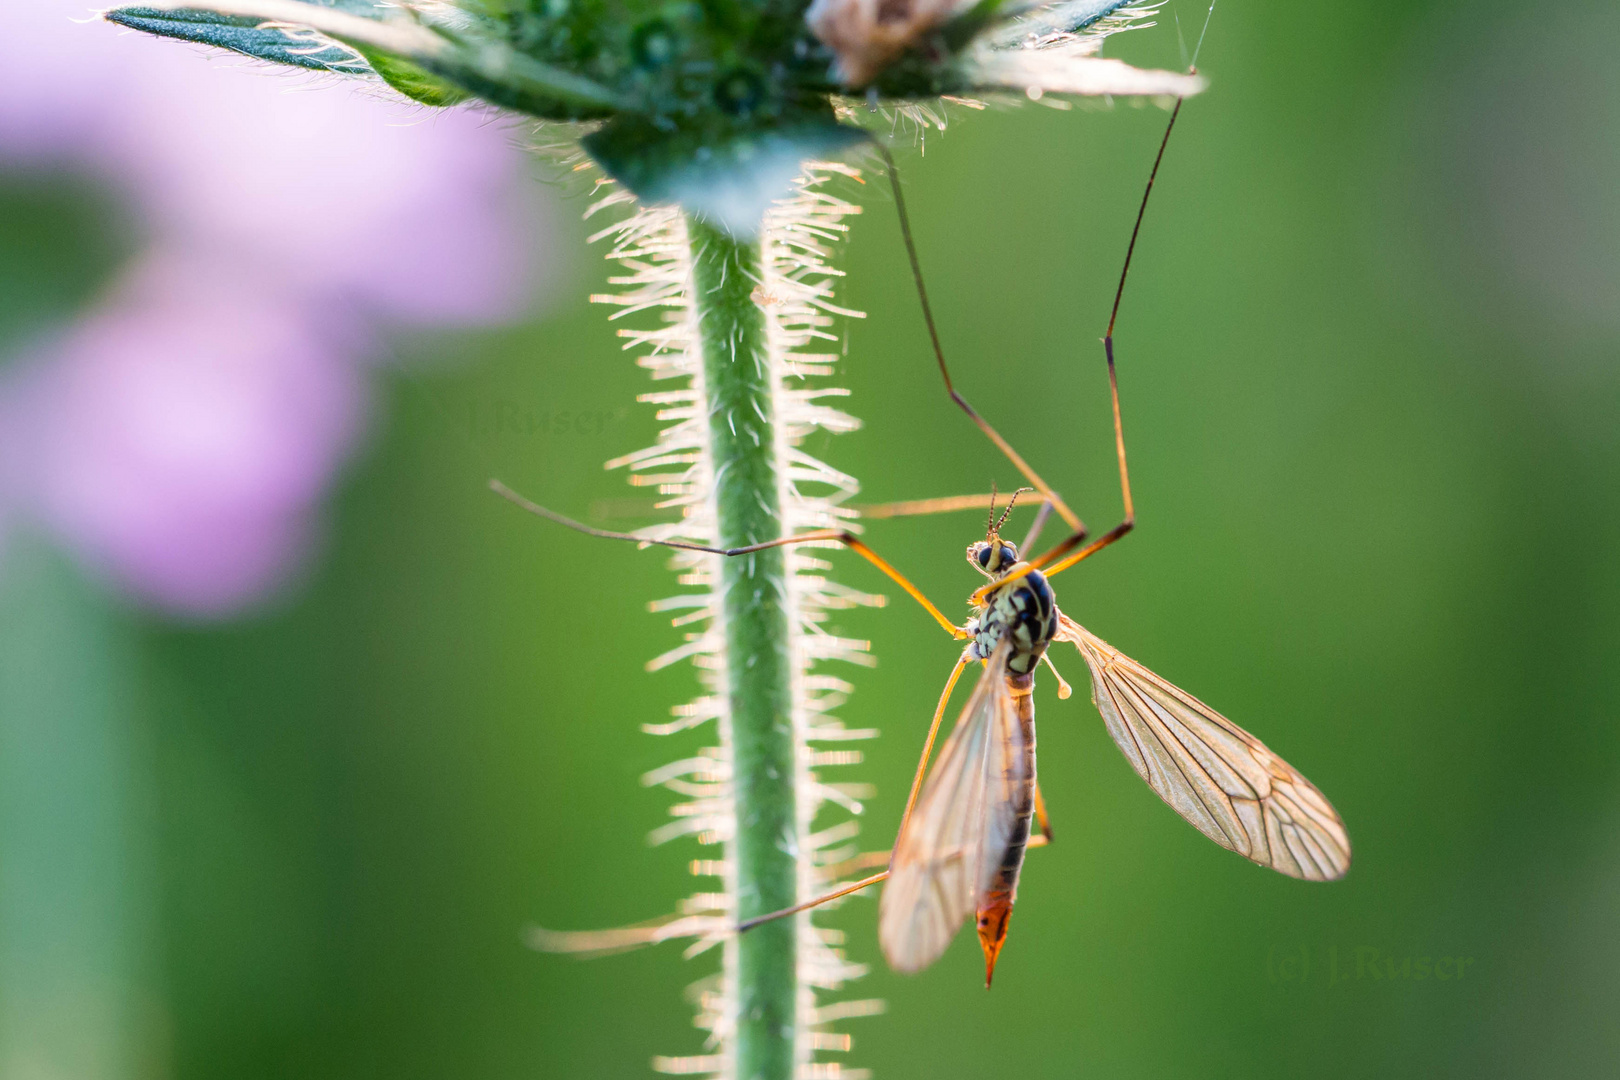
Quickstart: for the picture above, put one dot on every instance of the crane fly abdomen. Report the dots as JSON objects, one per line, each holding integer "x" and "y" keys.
{"x": 996, "y": 900}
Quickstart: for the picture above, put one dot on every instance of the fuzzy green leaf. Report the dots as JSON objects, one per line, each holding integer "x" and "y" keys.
{"x": 249, "y": 37}
{"x": 425, "y": 58}
{"x": 413, "y": 81}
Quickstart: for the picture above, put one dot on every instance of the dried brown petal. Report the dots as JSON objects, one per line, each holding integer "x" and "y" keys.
{"x": 867, "y": 34}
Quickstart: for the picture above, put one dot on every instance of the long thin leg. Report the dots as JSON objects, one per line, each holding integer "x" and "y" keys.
{"x": 849, "y": 540}
{"x": 865, "y": 883}
{"x": 1036, "y": 526}
{"x": 928, "y": 744}
{"x": 1002, "y": 444}
{"x": 866, "y": 860}
{"x": 911, "y": 802}
{"x": 951, "y": 503}
{"x": 1041, "y": 820}
{"x": 620, "y": 938}
{"x": 1053, "y": 561}
{"x": 921, "y": 507}
{"x": 1041, "y": 839}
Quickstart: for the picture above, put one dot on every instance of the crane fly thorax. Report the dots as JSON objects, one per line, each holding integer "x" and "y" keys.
{"x": 1023, "y": 612}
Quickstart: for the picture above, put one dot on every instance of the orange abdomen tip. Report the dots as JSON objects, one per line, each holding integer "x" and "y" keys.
{"x": 994, "y": 915}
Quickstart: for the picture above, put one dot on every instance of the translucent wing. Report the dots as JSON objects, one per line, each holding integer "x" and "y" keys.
{"x": 1212, "y": 772}
{"x": 955, "y": 839}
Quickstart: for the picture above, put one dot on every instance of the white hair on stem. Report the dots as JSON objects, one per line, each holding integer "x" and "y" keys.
{"x": 796, "y": 294}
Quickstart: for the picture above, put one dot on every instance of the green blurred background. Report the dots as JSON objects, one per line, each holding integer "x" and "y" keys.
{"x": 1368, "y": 360}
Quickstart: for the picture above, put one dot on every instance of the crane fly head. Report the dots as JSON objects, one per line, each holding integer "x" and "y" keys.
{"x": 992, "y": 555}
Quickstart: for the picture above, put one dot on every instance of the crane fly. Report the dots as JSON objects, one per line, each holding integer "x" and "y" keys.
{"x": 961, "y": 846}
{"x": 970, "y": 820}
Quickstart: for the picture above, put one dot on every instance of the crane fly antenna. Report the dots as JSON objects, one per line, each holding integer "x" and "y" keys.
{"x": 1007, "y": 513}
{"x": 990, "y": 522}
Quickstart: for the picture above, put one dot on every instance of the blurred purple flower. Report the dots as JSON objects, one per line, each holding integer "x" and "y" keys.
{"x": 181, "y": 436}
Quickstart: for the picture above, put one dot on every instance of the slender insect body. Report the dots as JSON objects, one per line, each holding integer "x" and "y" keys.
{"x": 995, "y": 909}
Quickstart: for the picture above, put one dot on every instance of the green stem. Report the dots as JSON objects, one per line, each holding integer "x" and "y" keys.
{"x": 738, "y": 380}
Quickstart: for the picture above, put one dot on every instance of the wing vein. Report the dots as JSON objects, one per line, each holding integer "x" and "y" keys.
{"x": 1220, "y": 778}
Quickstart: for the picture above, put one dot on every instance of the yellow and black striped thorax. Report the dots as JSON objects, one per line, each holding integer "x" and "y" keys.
{"x": 1024, "y": 612}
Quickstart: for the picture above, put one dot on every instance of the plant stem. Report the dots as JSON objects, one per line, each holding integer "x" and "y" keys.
{"x": 738, "y": 380}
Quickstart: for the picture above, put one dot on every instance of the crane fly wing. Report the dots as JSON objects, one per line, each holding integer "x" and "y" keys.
{"x": 1213, "y": 773}
{"x": 954, "y": 841}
